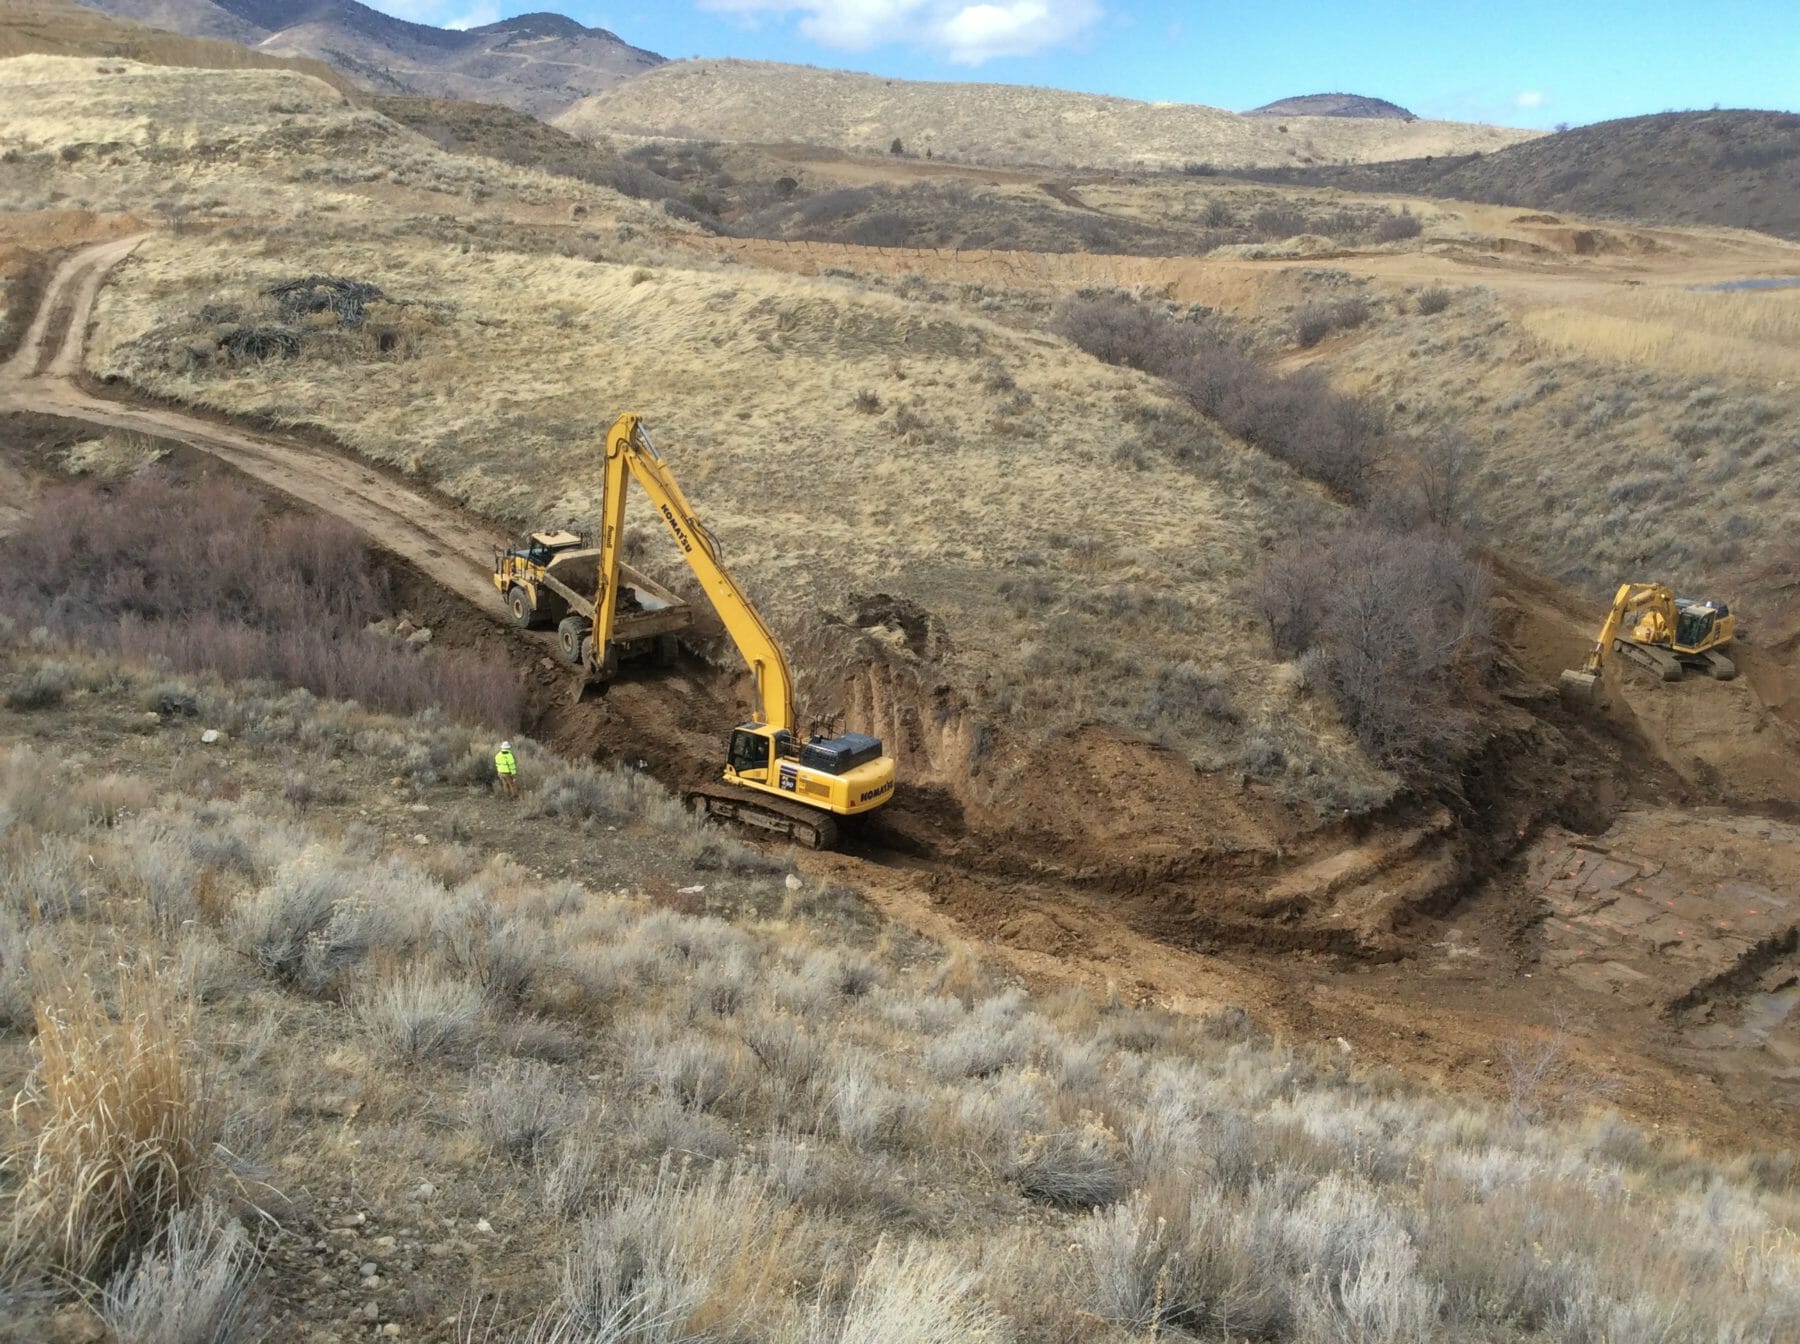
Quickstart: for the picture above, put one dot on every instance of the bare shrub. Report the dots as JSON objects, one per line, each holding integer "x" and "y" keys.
{"x": 1312, "y": 324}
{"x": 195, "y": 1286}
{"x": 200, "y": 579}
{"x": 1433, "y": 300}
{"x": 1298, "y": 418}
{"x": 1397, "y": 618}
{"x": 416, "y": 1016}
{"x": 1395, "y": 228}
{"x": 113, "y": 1131}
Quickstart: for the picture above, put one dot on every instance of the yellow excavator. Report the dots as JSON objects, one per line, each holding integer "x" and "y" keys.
{"x": 774, "y": 778}
{"x": 1648, "y": 625}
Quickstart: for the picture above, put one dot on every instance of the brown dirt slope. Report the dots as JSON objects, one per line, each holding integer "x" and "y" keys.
{"x": 995, "y": 123}
{"x": 1736, "y": 168}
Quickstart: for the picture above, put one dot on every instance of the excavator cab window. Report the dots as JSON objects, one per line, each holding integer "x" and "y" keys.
{"x": 1693, "y": 626}
{"x": 749, "y": 751}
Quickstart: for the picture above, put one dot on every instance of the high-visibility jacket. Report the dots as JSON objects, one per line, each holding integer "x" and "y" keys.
{"x": 505, "y": 764}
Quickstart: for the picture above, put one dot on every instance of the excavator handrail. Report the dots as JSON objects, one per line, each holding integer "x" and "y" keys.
{"x": 630, "y": 454}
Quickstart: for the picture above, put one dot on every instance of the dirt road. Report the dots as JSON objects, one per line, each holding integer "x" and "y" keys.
{"x": 41, "y": 377}
{"x": 1347, "y": 938}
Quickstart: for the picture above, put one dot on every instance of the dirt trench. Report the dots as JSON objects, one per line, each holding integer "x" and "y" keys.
{"x": 1411, "y": 937}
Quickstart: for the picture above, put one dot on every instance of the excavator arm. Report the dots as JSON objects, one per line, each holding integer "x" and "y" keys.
{"x": 1631, "y": 598}
{"x": 631, "y": 456}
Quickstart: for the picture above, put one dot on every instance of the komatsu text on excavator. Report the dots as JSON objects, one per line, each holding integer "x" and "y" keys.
{"x": 1660, "y": 632}
{"x": 774, "y": 778}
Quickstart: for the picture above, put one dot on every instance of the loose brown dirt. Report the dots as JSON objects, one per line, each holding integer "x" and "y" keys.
{"x": 1423, "y": 937}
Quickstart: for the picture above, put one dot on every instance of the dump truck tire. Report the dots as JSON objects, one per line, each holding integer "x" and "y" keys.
{"x": 518, "y": 602}
{"x": 569, "y": 635}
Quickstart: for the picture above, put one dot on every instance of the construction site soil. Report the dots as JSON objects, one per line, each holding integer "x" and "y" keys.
{"x": 1605, "y": 892}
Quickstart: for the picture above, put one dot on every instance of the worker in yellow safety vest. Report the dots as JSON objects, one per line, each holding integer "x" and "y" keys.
{"x": 506, "y": 765}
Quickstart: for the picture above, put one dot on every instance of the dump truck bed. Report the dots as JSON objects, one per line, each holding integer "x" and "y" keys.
{"x": 646, "y": 608}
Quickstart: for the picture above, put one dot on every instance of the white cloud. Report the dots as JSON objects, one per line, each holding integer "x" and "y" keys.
{"x": 1532, "y": 98}
{"x": 441, "y": 13}
{"x": 967, "y": 34}
{"x": 475, "y": 18}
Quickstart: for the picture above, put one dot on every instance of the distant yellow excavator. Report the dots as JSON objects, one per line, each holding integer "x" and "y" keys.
{"x": 1667, "y": 635}
{"x": 773, "y": 779}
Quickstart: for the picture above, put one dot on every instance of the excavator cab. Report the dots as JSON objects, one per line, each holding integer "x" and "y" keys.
{"x": 751, "y": 752}
{"x": 1700, "y": 625}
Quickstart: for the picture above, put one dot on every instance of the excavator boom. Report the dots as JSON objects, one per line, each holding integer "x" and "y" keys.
{"x": 772, "y": 779}
{"x": 631, "y": 456}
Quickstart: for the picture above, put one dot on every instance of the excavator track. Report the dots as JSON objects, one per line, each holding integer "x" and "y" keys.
{"x": 1659, "y": 662}
{"x": 803, "y": 825}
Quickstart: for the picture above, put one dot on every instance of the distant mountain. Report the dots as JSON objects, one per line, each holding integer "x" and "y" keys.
{"x": 536, "y": 63}
{"x": 1736, "y": 168}
{"x": 1332, "y": 105}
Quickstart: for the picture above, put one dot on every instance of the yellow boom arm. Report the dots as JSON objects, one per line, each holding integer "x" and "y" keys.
{"x": 1631, "y": 597}
{"x": 630, "y": 454}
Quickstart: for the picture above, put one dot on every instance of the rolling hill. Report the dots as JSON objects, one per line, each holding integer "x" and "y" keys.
{"x": 536, "y": 63}
{"x": 1333, "y": 105}
{"x": 1736, "y": 168}
{"x": 996, "y": 123}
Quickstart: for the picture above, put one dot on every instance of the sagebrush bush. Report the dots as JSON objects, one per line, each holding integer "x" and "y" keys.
{"x": 195, "y": 1285}
{"x": 1394, "y": 228}
{"x": 418, "y": 1016}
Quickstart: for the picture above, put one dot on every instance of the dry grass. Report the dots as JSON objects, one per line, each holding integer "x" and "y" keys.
{"x": 1751, "y": 336}
{"x": 188, "y": 146}
{"x": 1638, "y": 433}
{"x": 993, "y": 123}
{"x": 63, "y": 28}
{"x": 903, "y": 1150}
{"x": 115, "y": 1128}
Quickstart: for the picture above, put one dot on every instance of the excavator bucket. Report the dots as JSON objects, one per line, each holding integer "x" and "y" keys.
{"x": 1579, "y": 687}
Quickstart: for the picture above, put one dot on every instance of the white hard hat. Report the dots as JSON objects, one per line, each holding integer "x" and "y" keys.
{"x": 506, "y": 746}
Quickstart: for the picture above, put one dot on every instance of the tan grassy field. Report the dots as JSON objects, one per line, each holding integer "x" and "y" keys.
{"x": 64, "y": 28}
{"x": 190, "y": 145}
{"x": 302, "y": 1054}
{"x": 838, "y": 442}
{"x": 1637, "y": 432}
{"x": 993, "y": 123}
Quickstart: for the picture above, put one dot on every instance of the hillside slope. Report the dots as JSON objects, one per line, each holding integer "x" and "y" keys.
{"x": 995, "y": 123}
{"x": 537, "y": 63}
{"x": 1736, "y": 168}
{"x": 63, "y": 28}
{"x": 1332, "y": 105}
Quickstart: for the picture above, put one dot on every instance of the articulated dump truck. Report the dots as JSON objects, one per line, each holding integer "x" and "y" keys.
{"x": 548, "y": 580}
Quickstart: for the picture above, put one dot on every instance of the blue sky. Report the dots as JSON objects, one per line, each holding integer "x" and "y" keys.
{"x": 1523, "y": 62}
